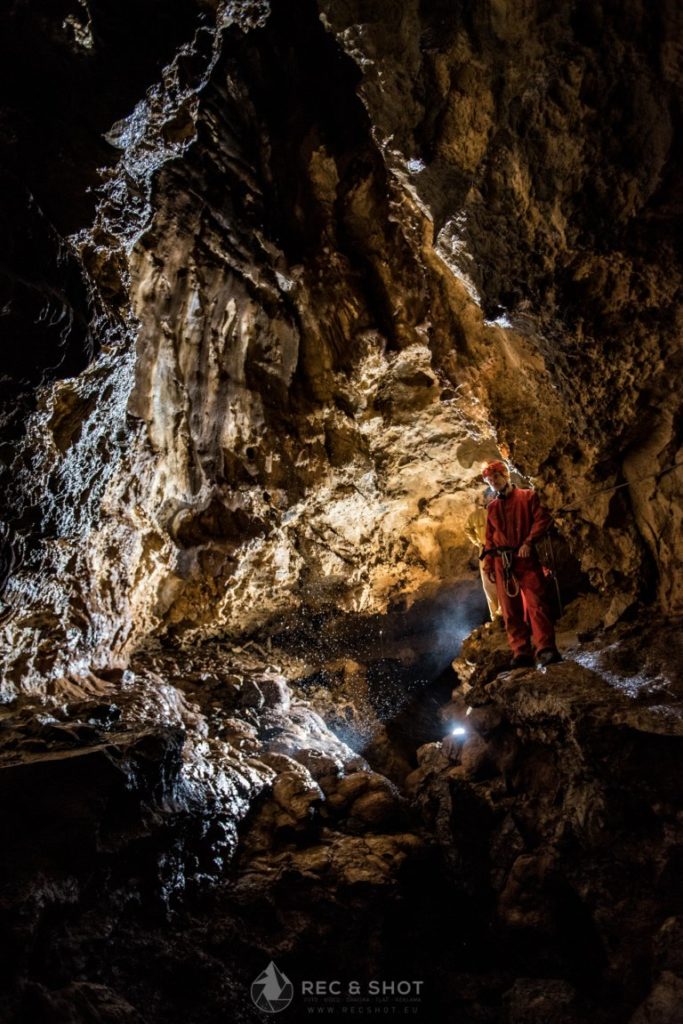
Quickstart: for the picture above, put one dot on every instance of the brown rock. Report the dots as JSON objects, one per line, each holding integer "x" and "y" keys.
{"x": 475, "y": 756}
{"x": 542, "y": 1001}
{"x": 663, "y": 1004}
{"x": 319, "y": 764}
{"x": 251, "y": 696}
{"x": 296, "y": 794}
{"x": 375, "y": 809}
{"x": 275, "y": 692}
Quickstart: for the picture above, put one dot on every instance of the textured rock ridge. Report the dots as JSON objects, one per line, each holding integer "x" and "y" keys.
{"x": 295, "y": 281}
{"x": 541, "y": 140}
{"x": 563, "y": 791}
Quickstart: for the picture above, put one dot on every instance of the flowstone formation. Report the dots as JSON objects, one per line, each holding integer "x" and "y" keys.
{"x": 272, "y": 296}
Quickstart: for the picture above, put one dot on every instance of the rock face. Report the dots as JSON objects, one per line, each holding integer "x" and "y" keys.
{"x": 277, "y": 279}
{"x": 563, "y": 791}
{"x": 559, "y": 809}
{"x": 335, "y": 254}
{"x": 234, "y": 787}
{"x": 528, "y": 871}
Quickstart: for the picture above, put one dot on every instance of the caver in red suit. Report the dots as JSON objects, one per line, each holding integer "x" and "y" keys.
{"x": 515, "y": 519}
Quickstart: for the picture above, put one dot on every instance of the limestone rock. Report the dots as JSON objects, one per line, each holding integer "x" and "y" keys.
{"x": 269, "y": 297}
{"x": 663, "y": 1003}
{"x": 542, "y": 1001}
{"x": 537, "y": 813}
{"x": 294, "y": 385}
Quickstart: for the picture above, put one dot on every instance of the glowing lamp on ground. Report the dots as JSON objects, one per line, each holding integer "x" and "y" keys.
{"x": 458, "y": 730}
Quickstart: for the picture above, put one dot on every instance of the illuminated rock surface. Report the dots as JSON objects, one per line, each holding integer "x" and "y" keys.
{"x": 277, "y": 278}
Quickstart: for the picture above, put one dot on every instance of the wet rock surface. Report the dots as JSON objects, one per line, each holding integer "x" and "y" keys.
{"x": 290, "y": 268}
{"x": 201, "y": 823}
{"x": 559, "y": 808}
{"x": 276, "y": 279}
{"x": 525, "y": 871}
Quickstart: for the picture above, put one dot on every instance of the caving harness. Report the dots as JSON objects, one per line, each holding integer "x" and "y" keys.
{"x": 510, "y": 581}
{"x": 506, "y": 555}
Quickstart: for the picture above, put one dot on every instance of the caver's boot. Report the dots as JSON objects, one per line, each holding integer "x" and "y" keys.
{"x": 522, "y": 661}
{"x": 548, "y": 656}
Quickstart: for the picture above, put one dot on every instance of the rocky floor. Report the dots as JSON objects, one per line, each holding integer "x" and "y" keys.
{"x": 558, "y": 808}
{"x": 199, "y": 816}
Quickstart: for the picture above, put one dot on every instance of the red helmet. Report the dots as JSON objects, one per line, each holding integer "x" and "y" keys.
{"x": 494, "y": 466}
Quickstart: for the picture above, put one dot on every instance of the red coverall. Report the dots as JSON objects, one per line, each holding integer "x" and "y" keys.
{"x": 514, "y": 519}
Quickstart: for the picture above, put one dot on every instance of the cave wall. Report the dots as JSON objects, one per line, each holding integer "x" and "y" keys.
{"x": 333, "y": 259}
{"x": 545, "y": 144}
